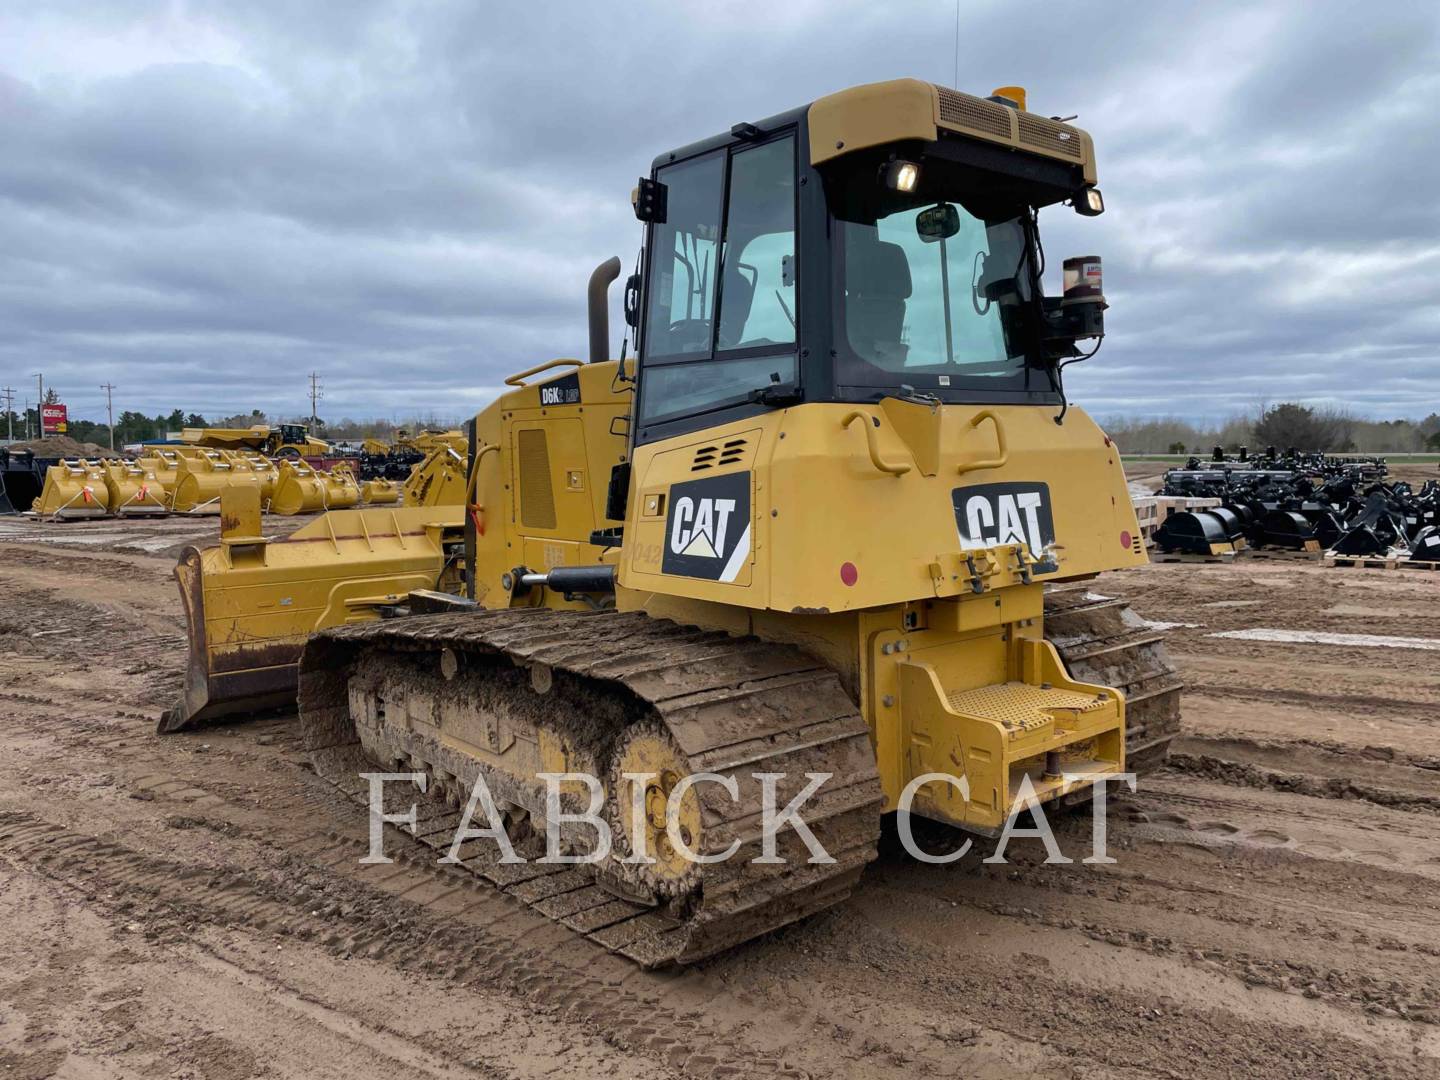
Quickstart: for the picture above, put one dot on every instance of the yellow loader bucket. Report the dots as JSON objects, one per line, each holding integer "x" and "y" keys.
{"x": 165, "y": 464}
{"x": 379, "y": 492}
{"x": 134, "y": 490}
{"x": 251, "y": 602}
{"x": 265, "y": 470}
{"x": 204, "y": 476}
{"x": 439, "y": 480}
{"x": 73, "y": 490}
{"x": 303, "y": 490}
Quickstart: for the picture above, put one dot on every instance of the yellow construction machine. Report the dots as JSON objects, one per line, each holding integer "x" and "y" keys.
{"x": 284, "y": 440}
{"x": 834, "y": 519}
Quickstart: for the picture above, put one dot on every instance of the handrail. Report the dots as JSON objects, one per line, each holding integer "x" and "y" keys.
{"x": 519, "y": 379}
{"x": 474, "y": 484}
{"x": 473, "y": 487}
{"x": 988, "y": 463}
{"x": 897, "y": 468}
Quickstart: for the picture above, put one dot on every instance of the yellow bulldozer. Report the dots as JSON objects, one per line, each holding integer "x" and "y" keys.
{"x": 833, "y": 519}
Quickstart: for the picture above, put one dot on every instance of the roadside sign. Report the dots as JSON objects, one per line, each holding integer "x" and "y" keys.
{"x": 53, "y": 420}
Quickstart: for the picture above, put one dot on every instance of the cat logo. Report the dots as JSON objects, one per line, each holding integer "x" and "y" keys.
{"x": 707, "y": 529}
{"x": 992, "y": 514}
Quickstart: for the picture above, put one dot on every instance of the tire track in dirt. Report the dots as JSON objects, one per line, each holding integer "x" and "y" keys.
{"x": 550, "y": 970}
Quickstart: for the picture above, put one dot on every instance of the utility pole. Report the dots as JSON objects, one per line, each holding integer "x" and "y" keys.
{"x": 110, "y": 411}
{"x": 9, "y": 392}
{"x": 315, "y": 397}
{"x": 39, "y": 403}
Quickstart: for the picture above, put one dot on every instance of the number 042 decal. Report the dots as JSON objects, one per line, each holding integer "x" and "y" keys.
{"x": 707, "y": 528}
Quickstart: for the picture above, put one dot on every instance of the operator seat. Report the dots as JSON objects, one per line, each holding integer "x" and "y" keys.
{"x": 877, "y": 285}
{"x": 737, "y": 296}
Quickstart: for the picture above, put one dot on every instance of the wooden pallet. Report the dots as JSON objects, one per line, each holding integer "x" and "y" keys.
{"x": 1183, "y": 557}
{"x": 1282, "y": 554}
{"x": 1381, "y": 562}
{"x": 1371, "y": 562}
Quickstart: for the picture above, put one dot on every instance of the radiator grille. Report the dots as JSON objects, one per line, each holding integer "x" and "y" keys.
{"x": 963, "y": 110}
{"x": 1050, "y": 136}
{"x": 537, "y": 497}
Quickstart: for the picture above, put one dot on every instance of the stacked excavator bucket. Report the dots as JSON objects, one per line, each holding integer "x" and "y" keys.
{"x": 252, "y": 601}
{"x": 134, "y": 490}
{"x": 165, "y": 464}
{"x": 205, "y": 474}
{"x": 265, "y": 470}
{"x": 300, "y": 489}
{"x": 74, "y": 489}
{"x": 379, "y": 492}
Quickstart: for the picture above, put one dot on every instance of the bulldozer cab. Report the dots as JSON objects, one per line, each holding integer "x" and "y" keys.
{"x": 880, "y": 242}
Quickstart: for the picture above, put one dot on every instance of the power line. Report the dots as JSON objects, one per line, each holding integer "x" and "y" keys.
{"x": 315, "y": 397}
{"x": 110, "y": 412}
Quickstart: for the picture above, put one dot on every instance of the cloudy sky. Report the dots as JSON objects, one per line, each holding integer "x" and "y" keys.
{"x": 201, "y": 202}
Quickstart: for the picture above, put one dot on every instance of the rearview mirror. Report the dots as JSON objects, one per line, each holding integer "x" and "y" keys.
{"x": 632, "y": 301}
{"x": 937, "y": 223}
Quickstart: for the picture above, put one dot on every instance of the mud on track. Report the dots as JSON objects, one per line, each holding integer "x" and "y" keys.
{"x": 194, "y": 905}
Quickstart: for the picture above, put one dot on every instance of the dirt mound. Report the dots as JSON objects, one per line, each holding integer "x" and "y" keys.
{"x": 63, "y": 446}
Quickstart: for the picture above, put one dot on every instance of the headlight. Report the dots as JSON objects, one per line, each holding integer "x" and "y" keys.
{"x": 902, "y": 176}
{"x": 1089, "y": 202}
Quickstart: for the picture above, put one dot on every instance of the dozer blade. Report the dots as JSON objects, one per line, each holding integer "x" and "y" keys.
{"x": 252, "y": 602}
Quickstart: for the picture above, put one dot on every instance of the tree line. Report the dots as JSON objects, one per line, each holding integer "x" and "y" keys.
{"x": 137, "y": 427}
{"x": 1282, "y": 426}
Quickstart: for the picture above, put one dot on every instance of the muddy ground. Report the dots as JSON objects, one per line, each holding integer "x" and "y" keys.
{"x": 193, "y": 906}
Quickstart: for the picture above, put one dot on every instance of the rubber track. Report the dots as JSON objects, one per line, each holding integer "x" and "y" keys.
{"x": 1102, "y": 641}
{"x": 735, "y": 706}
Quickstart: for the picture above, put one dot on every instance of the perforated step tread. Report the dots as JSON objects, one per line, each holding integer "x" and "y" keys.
{"x": 1020, "y": 706}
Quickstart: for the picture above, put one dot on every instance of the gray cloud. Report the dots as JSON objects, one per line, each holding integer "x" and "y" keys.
{"x": 203, "y": 202}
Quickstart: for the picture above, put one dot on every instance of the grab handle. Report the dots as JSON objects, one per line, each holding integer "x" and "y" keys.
{"x": 872, "y": 443}
{"x": 987, "y": 463}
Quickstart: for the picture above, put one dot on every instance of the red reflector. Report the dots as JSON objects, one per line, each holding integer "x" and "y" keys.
{"x": 1125, "y": 539}
{"x": 848, "y": 574}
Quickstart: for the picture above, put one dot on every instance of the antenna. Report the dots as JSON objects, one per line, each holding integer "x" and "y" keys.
{"x": 956, "y": 83}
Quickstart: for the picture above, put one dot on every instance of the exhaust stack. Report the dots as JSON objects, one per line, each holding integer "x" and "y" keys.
{"x": 598, "y": 295}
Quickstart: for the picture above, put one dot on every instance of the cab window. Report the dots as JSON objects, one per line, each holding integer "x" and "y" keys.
{"x": 682, "y": 295}
{"x": 726, "y": 248}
